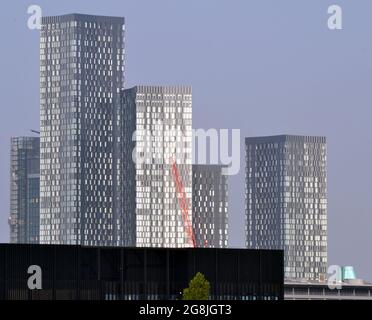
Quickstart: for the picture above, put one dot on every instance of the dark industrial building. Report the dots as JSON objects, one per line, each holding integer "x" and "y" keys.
{"x": 113, "y": 273}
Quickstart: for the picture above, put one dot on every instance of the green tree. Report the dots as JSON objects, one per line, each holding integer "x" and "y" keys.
{"x": 198, "y": 288}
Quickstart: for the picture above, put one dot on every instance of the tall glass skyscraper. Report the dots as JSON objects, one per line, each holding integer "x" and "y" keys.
{"x": 81, "y": 75}
{"x": 24, "y": 189}
{"x": 157, "y": 133}
{"x": 210, "y": 206}
{"x": 286, "y": 201}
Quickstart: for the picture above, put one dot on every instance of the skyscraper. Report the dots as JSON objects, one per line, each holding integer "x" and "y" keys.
{"x": 24, "y": 190}
{"x": 286, "y": 201}
{"x": 157, "y": 134}
{"x": 81, "y": 75}
{"x": 210, "y": 206}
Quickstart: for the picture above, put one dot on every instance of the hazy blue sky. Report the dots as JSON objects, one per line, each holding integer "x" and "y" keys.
{"x": 266, "y": 67}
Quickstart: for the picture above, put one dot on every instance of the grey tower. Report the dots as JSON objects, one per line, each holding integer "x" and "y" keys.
{"x": 210, "y": 206}
{"x": 286, "y": 201}
{"x": 157, "y": 133}
{"x": 24, "y": 190}
{"x": 81, "y": 75}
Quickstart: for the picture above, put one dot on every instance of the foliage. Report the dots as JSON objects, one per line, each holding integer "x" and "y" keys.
{"x": 198, "y": 288}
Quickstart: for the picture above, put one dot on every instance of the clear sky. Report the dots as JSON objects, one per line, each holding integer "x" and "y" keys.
{"x": 265, "y": 67}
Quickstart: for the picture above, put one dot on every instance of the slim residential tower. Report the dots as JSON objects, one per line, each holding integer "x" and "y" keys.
{"x": 24, "y": 190}
{"x": 81, "y": 75}
{"x": 286, "y": 201}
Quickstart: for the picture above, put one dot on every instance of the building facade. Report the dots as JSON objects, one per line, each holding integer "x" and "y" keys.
{"x": 24, "y": 190}
{"x": 157, "y": 144}
{"x": 81, "y": 75}
{"x": 102, "y": 273}
{"x": 286, "y": 201}
{"x": 210, "y": 206}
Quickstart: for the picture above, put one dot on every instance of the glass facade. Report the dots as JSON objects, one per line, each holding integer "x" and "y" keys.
{"x": 81, "y": 75}
{"x": 157, "y": 132}
{"x": 210, "y": 206}
{"x": 286, "y": 201}
{"x": 24, "y": 190}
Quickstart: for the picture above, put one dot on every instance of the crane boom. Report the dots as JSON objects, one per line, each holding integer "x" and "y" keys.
{"x": 182, "y": 201}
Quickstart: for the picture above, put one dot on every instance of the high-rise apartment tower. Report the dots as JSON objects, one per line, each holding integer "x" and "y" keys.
{"x": 286, "y": 201}
{"x": 81, "y": 75}
{"x": 157, "y": 134}
{"x": 210, "y": 206}
{"x": 24, "y": 189}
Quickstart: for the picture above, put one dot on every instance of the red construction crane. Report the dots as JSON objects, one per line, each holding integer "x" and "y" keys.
{"x": 182, "y": 201}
